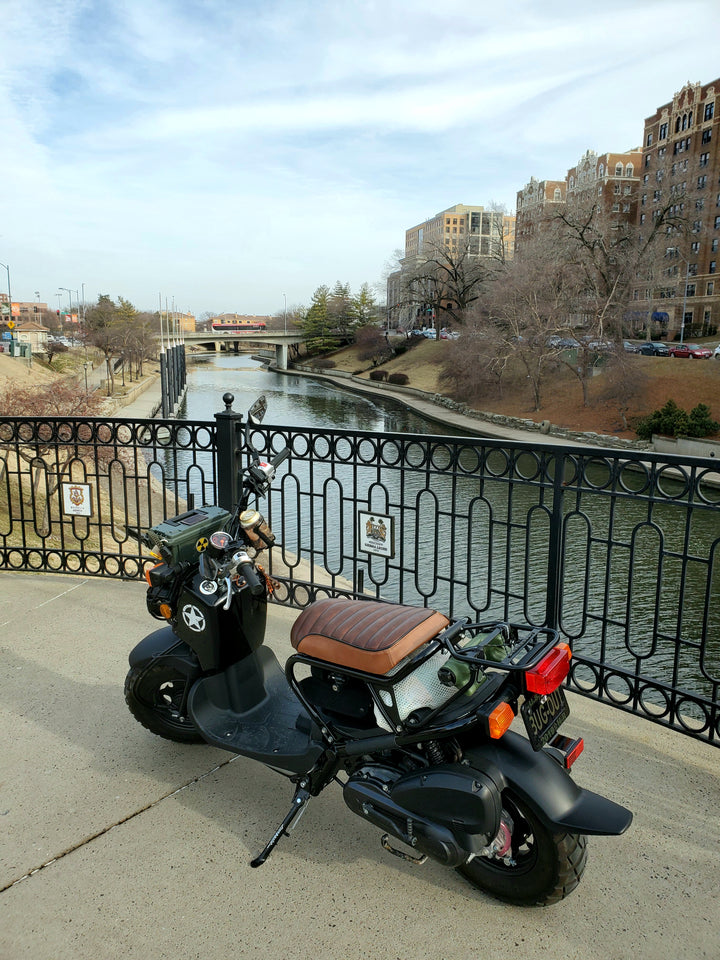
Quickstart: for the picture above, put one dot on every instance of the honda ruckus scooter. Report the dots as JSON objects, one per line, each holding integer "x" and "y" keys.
{"x": 407, "y": 711}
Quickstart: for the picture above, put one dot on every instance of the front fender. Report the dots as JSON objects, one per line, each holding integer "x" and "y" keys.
{"x": 164, "y": 644}
{"x": 546, "y": 787}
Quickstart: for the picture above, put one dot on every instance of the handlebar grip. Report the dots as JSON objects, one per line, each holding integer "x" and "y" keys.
{"x": 283, "y": 455}
{"x": 256, "y": 585}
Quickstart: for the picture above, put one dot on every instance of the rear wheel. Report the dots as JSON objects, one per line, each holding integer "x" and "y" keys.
{"x": 531, "y": 866}
{"x": 156, "y": 696}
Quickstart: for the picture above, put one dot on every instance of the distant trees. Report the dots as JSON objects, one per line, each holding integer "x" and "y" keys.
{"x": 334, "y": 316}
{"x": 575, "y": 282}
{"x": 122, "y": 334}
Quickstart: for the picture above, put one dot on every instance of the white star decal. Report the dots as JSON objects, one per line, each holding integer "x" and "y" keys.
{"x": 194, "y": 618}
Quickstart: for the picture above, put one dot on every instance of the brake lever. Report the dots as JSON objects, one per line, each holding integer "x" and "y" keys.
{"x": 228, "y": 598}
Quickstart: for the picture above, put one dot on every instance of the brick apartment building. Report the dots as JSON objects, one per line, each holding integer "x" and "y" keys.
{"x": 612, "y": 178}
{"x": 681, "y": 168}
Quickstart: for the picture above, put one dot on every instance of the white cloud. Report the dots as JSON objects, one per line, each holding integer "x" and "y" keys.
{"x": 224, "y": 150}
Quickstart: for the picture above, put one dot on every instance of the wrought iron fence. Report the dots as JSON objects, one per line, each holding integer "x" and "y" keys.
{"x": 620, "y": 550}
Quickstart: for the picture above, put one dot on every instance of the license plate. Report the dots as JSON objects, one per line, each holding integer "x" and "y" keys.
{"x": 543, "y": 717}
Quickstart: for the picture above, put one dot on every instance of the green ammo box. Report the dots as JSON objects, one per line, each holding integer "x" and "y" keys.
{"x": 177, "y": 538}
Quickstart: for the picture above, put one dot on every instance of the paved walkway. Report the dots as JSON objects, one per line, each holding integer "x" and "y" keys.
{"x": 116, "y": 844}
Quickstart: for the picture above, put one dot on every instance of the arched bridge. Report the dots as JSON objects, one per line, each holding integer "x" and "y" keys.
{"x": 212, "y": 340}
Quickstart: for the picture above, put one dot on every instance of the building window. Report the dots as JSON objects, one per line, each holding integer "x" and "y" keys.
{"x": 618, "y": 169}
{"x": 702, "y": 182}
{"x": 714, "y": 246}
{"x": 648, "y": 142}
{"x": 699, "y": 204}
{"x": 697, "y": 226}
{"x": 704, "y": 159}
{"x": 626, "y": 208}
{"x": 695, "y": 246}
{"x": 616, "y": 188}
{"x": 642, "y": 218}
{"x": 707, "y": 135}
{"x": 713, "y": 266}
{"x": 557, "y": 195}
{"x": 692, "y": 269}
{"x": 601, "y": 170}
{"x": 709, "y": 110}
{"x": 663, "y": 131}
{"x": 690, "y": 290}
{"x": 629, "y": 170}
{"x": 710, "y": 288}
{"x": 717, "y": 223}
{"x": 616, "y": 208}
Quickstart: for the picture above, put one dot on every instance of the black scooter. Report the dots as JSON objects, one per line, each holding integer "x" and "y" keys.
{"x": 407, "y": 711}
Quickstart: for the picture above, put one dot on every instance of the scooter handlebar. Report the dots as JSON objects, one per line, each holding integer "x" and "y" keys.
{"x": 255, "y": 584}
{"x": 282, "y": 456}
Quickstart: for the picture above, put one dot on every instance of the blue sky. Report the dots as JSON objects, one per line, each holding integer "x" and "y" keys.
{"x": 231, "y": 155}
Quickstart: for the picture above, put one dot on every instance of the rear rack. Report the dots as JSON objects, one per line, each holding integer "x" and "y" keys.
{"x": 505, "y": 648}
{"x": 527, "y": 644}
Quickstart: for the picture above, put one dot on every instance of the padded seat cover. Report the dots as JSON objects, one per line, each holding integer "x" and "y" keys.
{"x": 364, "y": 634}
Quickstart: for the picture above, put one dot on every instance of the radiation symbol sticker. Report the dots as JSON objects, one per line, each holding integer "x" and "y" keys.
{"x": 202, "y": 545}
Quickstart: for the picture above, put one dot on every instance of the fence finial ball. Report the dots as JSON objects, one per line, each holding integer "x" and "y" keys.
{"x": 228, "y": 400}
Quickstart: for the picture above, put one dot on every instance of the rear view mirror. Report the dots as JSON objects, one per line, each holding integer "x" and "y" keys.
{"x": 258, "y": 410}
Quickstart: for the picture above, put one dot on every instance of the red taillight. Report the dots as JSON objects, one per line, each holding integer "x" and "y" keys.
{"x": 550, "y": 672}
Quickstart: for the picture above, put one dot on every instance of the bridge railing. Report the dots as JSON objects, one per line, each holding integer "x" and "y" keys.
{"x": 620, "y": 551}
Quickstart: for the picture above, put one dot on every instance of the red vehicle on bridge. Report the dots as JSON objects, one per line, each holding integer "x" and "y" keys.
{"x": 232, "y": 323}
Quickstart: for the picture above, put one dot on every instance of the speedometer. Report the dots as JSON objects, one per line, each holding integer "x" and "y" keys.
{"x": 220, "y": 540}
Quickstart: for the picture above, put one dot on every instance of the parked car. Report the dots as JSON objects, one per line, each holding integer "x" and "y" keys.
{"x": 654, "y": 349}
{"x": 716, "y": 352}
{"x": 600, "y": 346}
{"x": 629, "y": 347}
{"x": 562, "y": 343}
{"x": 431, "y": 333}
{"x": 691, "y": 350}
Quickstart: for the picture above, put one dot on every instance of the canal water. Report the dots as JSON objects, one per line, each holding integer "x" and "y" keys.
{"x": 299, "y": 401}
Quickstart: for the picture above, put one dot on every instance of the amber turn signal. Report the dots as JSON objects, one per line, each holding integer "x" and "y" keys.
{"x": 499, "y": 720}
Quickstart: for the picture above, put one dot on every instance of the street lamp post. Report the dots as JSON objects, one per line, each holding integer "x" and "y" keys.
{"x": 7, "y": 268}
{"x": 69, "y": 293}
{"x": 285, "y": 299}
{"x": 682, "y": 319}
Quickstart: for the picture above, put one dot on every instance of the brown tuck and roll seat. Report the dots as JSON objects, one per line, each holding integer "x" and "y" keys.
{"x": 364, "y": 634}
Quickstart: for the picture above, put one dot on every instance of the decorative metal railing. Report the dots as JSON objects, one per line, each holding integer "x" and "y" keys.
{"x": 620, "y": 550}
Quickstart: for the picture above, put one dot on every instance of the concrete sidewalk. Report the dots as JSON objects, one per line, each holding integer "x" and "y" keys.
{"x": 116, "y": 843}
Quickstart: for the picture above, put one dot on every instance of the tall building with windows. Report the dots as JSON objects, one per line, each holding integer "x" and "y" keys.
{"x": 537, "y": 201}
{"x": 482, "y": 233}
{"x": 489, "y": 233}
{"x": 681, "y": 176}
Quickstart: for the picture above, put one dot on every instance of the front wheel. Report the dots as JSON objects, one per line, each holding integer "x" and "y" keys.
{"x": 531, "y": 866}
{"x": 156, "y": 696}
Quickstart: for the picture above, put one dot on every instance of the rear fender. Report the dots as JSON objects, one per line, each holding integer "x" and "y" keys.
{"x": 163, "y": 644}
{"x": 547, "y": 788}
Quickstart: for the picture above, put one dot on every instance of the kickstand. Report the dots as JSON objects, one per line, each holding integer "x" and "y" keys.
{"x": 299, "y": 803}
